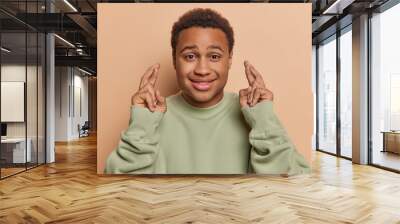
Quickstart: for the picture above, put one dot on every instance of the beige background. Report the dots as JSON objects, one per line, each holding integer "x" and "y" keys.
{"x": 275, "y": 38}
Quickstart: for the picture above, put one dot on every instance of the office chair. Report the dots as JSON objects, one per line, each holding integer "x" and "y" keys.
{"x": 84, "y": 130}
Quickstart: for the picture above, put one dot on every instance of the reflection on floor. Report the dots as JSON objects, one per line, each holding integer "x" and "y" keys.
{"x": 70, "y": 191}
{"x": 11, "y": 169}
{"x": 387, "y": 159}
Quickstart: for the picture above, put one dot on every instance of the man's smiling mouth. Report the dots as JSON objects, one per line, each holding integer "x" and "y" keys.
{"x": 202, "y": 85}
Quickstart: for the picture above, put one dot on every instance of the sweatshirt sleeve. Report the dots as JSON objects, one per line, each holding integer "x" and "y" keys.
{"x": 138, "y": 148}
{"x": 272, "y": 152}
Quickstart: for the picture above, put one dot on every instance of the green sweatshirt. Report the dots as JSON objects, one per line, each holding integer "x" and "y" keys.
{"x": 222, "y": 139}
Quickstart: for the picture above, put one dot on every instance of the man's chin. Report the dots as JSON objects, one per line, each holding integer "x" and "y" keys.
{"x": 202, "y": 97}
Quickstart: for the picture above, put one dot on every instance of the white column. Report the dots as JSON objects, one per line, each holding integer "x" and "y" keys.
{"x": 360, "y": 90}
{"x": 50, "y": 100}
{"x": 50, "y": 92}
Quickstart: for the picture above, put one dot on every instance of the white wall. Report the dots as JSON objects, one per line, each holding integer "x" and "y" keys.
{"x": 80, "y": 84}
{"x": 33, "y": 127}
{"x": 62, "y": 80}
{"x": 70, "y": 83}
{"x": 15, "y": 72}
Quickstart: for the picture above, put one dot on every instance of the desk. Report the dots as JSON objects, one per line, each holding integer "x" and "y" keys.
{"x": 15, "y": 148}
{"x": 391, "y": 141}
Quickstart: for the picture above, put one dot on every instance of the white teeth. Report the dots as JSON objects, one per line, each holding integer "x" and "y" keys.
{"x": 201, "y": 81}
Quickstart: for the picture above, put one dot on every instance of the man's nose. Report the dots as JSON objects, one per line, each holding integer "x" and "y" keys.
{"x": 202, "y": 67}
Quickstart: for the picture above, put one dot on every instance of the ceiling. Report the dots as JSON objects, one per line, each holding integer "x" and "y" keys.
{"x": 76, "y": 22}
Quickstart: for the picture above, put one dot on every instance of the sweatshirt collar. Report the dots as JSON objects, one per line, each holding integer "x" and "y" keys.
{"x": 198, "y": 112}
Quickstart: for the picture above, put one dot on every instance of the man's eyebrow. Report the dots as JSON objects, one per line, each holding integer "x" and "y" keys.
{"x": 216, "y": 47}
{"x": 190, "y": 47}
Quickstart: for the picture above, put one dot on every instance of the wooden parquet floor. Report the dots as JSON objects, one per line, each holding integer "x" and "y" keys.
{"x": 70, "y": 191}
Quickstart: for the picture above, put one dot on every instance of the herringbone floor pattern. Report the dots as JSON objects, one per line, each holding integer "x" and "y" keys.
{"x": 70, "y": 191}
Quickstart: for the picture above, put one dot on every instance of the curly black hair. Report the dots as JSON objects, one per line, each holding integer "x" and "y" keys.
{"x": 205, "y": 18}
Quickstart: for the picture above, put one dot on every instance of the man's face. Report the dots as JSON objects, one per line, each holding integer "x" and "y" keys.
{"x": 202, "y": 62}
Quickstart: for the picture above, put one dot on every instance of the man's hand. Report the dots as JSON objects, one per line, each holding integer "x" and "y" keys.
{"x": 256, "y": 92}
{"x": 147, "y": 95}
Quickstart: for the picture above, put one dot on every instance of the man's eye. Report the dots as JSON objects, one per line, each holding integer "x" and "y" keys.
{"x": 190, "y": 57}
{"x": 215, "y": 57}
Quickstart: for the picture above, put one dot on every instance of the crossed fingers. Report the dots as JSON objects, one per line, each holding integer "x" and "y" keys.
{"x": 150, "y": 77}
{"x": 257, "y": 90}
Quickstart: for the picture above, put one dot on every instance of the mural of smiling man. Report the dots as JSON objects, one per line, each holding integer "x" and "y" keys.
{"x": 202, "y": 129}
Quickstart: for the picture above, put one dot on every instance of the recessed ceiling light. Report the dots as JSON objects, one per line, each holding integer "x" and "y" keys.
{"x": 84, "y": 71}
{"x": 5, "y": 50}
{"x": 70, "y": 5}
{"x": 64, "y": 40}
{"x": 337, "y": 7}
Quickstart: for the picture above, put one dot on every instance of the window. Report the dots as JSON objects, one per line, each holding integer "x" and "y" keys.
{"x": 346, "y": 93}
{"x": 385, "y": 88}
{"x": 327, "y": 95}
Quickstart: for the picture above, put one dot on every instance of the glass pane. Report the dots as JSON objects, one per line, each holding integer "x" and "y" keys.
{"x": 346, "y": 94}
{"x": 314, "y": 78}
{"x": 31, "y": 85}
{"x": 22, "y": 88}
{"x": 31, "y": 100}
{"x": 327, "y": 96}
{"x": 386, "y": 89}
{"x": 13, "y": 86}
{"x": 41, "y": 98}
